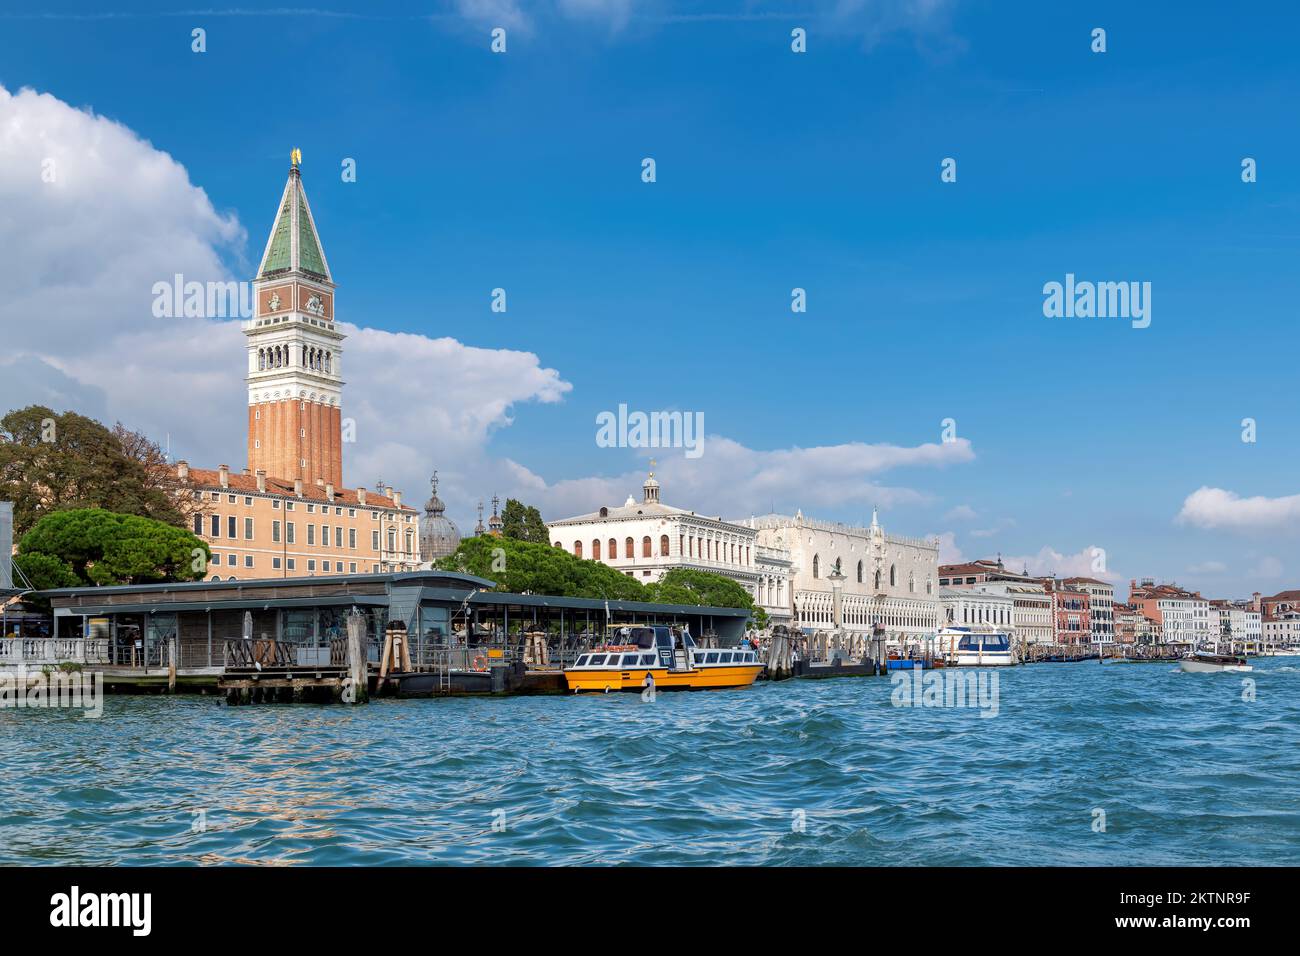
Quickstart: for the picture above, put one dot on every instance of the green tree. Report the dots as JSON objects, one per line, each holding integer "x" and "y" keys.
{"x": 51, "y": 462}
{"x": 525, "y": 567}
{"x": 686, "y": 586}
{"x": 523, "y": 523}
{"x": 84, "y": 546}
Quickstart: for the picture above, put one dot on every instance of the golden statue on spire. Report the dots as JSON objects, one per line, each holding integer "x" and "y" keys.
{"x": 295, "y": 157}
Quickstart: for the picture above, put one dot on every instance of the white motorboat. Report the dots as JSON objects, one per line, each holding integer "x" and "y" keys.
{"x": 1208, "y": 662}
{"x": 964, "y": 647}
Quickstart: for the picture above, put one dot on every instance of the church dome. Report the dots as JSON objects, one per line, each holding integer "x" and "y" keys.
{"x": 438, "y": 534}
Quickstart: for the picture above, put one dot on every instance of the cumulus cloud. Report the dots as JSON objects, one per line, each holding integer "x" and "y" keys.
{"x": 82, "y": 254}
{"x": 1208, "y": 567}
{"x": 1089, "y": 562}
{"x": 949, "y": 553}
{"x": 961, "y": 513}
{"x": 732, "y": 480}
{"x": 1218, "y": 508}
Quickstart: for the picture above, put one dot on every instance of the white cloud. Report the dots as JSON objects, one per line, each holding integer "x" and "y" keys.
{"x": 732, "y": 480}
{"x": 961, "y": 513}
{"x": 1208, "y": 567}
{"x": 81, "y": 256}
{"x": 1049, "y": 561}
{"x": 1266, "y": 567}
{"x": 1218, "y": 508}
{"x": 949, "y": 553}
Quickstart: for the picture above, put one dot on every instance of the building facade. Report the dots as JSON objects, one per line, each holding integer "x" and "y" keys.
{"x": 1031, "y": 608}
{"x": 889, "y": 580}
{"x": 1183, "y": 616}
{"x": 1071, "y": 613}
{"x": 972, "y": 607}
{"x": 646, "y": 539}
{"x": 1101, "y": 607}
{"x": 261, "y": 527}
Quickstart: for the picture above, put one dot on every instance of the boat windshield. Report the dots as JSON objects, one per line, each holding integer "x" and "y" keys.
{"x": 643, "y": 637}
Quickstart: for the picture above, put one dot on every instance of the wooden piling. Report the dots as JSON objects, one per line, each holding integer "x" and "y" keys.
{"x": 171, "y": 665}
{"x": 356, "y": 659}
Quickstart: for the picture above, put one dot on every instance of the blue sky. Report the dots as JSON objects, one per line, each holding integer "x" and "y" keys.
{"x": 778, "y": 170}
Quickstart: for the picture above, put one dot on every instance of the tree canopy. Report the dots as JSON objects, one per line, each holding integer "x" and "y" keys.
{"x": 525, "y": 567}
{"x": 50, "y": 462}
{"x": 523, "y": 523}
{"x": 85, "y": 546}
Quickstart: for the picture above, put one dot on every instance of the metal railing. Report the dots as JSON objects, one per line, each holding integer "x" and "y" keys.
{"x": 239, "y": 654}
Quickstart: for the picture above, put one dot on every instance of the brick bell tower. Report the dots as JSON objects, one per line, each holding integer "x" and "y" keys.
{"x": 294, "y": 351}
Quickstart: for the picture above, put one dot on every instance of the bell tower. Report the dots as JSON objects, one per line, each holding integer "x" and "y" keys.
{"x": 295, "y": 379}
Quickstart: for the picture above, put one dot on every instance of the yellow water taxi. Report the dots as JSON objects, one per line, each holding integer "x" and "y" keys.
{"x": 668, "y": 656}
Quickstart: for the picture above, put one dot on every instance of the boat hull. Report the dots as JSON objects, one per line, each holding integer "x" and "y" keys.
{"x": 701, "y": 678}
{"x": 1191, "y": 666}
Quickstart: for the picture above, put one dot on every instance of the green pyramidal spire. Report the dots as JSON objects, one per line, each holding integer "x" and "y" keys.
{"x": 294, "y": 245}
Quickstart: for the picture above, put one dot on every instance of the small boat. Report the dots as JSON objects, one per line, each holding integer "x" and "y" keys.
{"x": 668, "y": 656}
{"x": 968, "y": 648}
{"x": 1207, "y": 662}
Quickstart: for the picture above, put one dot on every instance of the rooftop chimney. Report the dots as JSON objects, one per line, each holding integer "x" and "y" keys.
{"x": 261, "y": 480}
{"x": 224, "y": 472}
{"x": 329, "y": 490}
{"x": 297, "y": 487}
{"x": 388, "y": 490}
{"x": 247, "y": 471}
{"x": 361, "y": 496}
{"x": 183, "y": 470}
{"x": 397, "y": 498}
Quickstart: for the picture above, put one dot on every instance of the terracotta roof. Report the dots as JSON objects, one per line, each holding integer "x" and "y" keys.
{"x": 209, "y": 479}
{"x": 1088, "y": 581}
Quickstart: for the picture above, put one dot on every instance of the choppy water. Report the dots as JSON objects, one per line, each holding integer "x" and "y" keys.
{"x": 1186, "y": 771}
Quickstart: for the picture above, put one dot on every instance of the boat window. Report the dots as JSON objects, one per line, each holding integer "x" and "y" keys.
{"x": 710, "y": 658}
{"x": 629, "y": 660}
{"x": 582, "y": 661}
{"x": 663, "y": 639}
{"x": 724, "y": 658}
{"x": 647, "y": 659}
{"x": 597, "y": 660}
{"x": 686, "y": 636}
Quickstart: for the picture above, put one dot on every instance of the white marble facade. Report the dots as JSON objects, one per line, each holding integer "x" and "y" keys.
{"x": 645, "y": 539}
{"x": 888, "y": 579}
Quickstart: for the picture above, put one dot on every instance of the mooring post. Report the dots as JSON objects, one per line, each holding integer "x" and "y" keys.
{"x": 356, "y": 659}
{"x": 171, "y": 665}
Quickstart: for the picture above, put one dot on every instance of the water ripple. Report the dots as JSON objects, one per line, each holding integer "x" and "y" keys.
{"x": 1183, "y": 768}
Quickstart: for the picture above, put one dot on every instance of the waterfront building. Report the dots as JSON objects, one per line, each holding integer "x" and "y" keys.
{"x": 1183, "y": 616}
{"x": 890, "y": 581}
{"x": 288, "y": 513}
{"x": 1071, "y": 613}
{"x": 1101, "y": 607}
{"x": 972, "y": 607}
{"x": 439, "y": 535}
{"x": 1281, "y": 629}
{"x": 983, "y": 571}
{"x": 263, "y": 527}
{"x": 128, "y": 628}
{"x": 1031, "y": 611}
{"x": 646, "y": 539}
{"x": 1279, "y": 603}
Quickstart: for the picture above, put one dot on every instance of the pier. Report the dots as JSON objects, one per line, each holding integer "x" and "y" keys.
{"x": 343, "y": 638}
